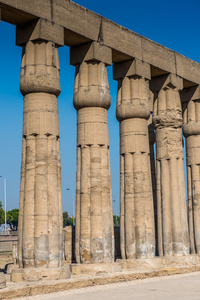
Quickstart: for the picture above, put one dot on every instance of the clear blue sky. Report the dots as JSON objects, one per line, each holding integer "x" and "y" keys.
{"x": 172, "y": 23}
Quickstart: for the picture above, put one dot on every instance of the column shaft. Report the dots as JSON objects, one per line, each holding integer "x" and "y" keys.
{"x": 191, "y": 131}
{"x": 40, "y": 221}
{"x": 137, "y": 216}
{"x": 171, "y": 208}
{"x": 94, "y": 227}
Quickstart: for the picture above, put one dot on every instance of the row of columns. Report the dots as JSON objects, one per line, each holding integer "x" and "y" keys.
{"x": 153, "y": 213}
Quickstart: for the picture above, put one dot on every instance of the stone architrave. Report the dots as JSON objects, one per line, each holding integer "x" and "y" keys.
{"x": 40, "y": 213}
{"x": 137, "y": 233}
{"x": 172, "y": 222}
{"x": 191, "y": 131}
{"x": 94, "y": 233}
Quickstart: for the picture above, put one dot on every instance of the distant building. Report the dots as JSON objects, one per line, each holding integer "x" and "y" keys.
{"x": 2, "y": 227}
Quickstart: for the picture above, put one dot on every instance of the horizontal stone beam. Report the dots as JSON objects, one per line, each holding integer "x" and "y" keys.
{"x": 82, "y": 25}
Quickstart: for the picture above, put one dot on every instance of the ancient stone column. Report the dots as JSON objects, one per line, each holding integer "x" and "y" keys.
{"x": 152, "y": 139}
{"x": 191, "y": 131}
{"x": 171, "y": 199}
{"x": 137, "y": 214}
{"x": 94, "y": 235}
{"x": 40, "y": 216}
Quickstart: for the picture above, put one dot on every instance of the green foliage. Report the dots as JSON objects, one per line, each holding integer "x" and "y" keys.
{"x": 116, "y": 220}
{"x": 12, "y": 218}
{"x": 2, "y": 214}
{"x": 67, "y": 221}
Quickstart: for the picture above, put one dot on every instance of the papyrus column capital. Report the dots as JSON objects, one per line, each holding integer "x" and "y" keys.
{"x": 190, "y": 98}
{"x": 133, "y": 89}
{"x": 167, "y": 106}
{"x": 40, "y": 40}
{"x": 91, "y": 87}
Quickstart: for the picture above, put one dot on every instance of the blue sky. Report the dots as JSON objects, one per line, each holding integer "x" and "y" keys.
{"x": 174, "y": 24}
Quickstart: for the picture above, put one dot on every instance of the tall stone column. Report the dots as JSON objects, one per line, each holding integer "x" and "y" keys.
{"x": 191, "y": 131}
{"x": 172, "y": 220}
{"x": 152, "y": 139}
{"x": 136, "y": 199}
{"x": 94, "y": 235}
{"x": 40, "y": 216}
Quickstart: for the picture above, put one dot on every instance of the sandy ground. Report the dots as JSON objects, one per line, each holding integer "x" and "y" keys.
{"x": 5, "y": 258}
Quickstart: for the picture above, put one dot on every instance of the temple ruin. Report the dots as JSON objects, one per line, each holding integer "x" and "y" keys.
{"x": 158, "y": 99}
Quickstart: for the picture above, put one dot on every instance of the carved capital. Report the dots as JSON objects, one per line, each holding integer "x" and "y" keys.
{"x": 40, "y": 68}
{"x": 167, "y": 105}
{"x": 133, "y": 89}
{"x": 191, "y": 107}
{"x": 132, "y": 99}
{"x": 91, "y": 87}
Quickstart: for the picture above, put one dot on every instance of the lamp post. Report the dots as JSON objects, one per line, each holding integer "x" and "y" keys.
{"x": 114, "y": 212}
{"x": 114, "y": 206}
{"x": 4, "y": 178}
{"x": 73, "y": 206}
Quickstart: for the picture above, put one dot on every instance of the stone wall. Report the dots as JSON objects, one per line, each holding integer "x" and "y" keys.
{"x": 7, "y": 239}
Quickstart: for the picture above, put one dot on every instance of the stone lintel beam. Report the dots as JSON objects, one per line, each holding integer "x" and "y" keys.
{"x": 166, "y": 81}
{"x": 190, "y": 94}
{"x": 40, "y": 30}
{"x": 81, "y": 26}
{"x": 129, "y": 68}
{"x": 90, "y": 52}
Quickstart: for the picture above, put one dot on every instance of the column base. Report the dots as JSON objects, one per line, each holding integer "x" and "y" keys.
{"x": 157, "y": 263}
{"x": 77, "y": 269}
{"x": 38, "y": 274}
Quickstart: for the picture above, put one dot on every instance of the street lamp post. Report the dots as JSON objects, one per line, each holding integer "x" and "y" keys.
{"x": 114, "y": 206}
{"x": 73, "y": 206}
{"x": 4, "y": 178}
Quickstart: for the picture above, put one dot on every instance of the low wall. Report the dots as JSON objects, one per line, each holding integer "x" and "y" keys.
{"x": 7, "y": 239}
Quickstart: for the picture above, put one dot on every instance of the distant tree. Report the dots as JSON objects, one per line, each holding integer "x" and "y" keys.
{"x": 67, "y": 221}
{"x": 12, "y": 218}
{"x": 2, "y": 214}
{"x": 116, "y": 220}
